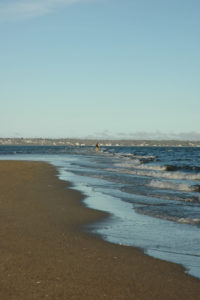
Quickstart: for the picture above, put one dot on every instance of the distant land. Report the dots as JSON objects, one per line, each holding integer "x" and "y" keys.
{"x": 92, "y": 142}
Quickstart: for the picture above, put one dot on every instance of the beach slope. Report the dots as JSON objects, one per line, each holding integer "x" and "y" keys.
{"x": 45, "y": 254}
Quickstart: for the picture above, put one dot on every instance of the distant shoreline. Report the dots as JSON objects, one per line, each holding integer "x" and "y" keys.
{"x": 92, "y": 142}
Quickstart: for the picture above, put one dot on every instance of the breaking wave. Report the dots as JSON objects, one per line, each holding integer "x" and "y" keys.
{"x": 153, "y": 171}
{"x": 174, "y": 186}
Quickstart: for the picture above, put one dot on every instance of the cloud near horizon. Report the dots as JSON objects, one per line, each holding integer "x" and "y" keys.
{"x": 143, "y": 135}
{"x": 25, "y": 9}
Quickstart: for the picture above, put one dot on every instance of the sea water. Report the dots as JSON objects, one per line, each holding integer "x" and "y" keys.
{"x": 152, "y": 194}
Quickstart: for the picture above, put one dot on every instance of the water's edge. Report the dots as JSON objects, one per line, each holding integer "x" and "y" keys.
{"x": 107, "y": 228}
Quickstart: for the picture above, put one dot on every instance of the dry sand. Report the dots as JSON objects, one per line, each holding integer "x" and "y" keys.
{"x": 44, "y": 253}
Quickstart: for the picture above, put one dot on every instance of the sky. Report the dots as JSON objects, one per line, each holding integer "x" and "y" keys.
{"x": 100, "y": 69}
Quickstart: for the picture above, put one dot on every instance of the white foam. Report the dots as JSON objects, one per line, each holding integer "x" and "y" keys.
{"x": 128, "y": 164}
{"x": 189, "y": 221}
{"x": 152, "y": 167}
{"x": 171, "y": 185}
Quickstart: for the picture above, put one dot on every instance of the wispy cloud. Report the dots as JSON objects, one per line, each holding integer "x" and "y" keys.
{"x": 158, "y": 135}
{"x": 23, "y": 9}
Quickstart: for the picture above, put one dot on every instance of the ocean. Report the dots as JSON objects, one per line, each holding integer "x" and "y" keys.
{"x": 152, "y": 194}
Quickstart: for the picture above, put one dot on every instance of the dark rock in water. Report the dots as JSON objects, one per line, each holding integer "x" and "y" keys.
{"x": 171, "y": 168}
{"x": 197, "y": 188}
{"x": 186, "y": 168}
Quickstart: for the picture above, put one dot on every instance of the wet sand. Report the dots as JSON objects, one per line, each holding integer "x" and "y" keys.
{"x": 45, "y": 254}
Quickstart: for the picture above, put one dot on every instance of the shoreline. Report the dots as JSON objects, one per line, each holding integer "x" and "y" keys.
{"x": 46, "y": 253}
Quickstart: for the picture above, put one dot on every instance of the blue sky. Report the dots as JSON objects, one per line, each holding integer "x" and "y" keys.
{"x": 100, "y": 68}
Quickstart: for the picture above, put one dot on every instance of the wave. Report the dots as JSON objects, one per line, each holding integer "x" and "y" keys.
{"x": 136, "y": 167}
{"x": 194, "y": 221}
{"x": 174, "y": 186}
{"x": 129, "y": 155}
{"x": 128, "y": 164}
{"x": 177, "y": 219}
{"x": 174, "y": 175}
{"x": 151, "y": 167}
{"x": 136, "y": 163}
{"x": 191, "y": 221}
{"x": 171, "y": 168}
{"x": 152, "y": 171}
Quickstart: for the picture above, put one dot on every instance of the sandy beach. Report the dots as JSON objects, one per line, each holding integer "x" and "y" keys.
{"x": 45, "y": 253}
